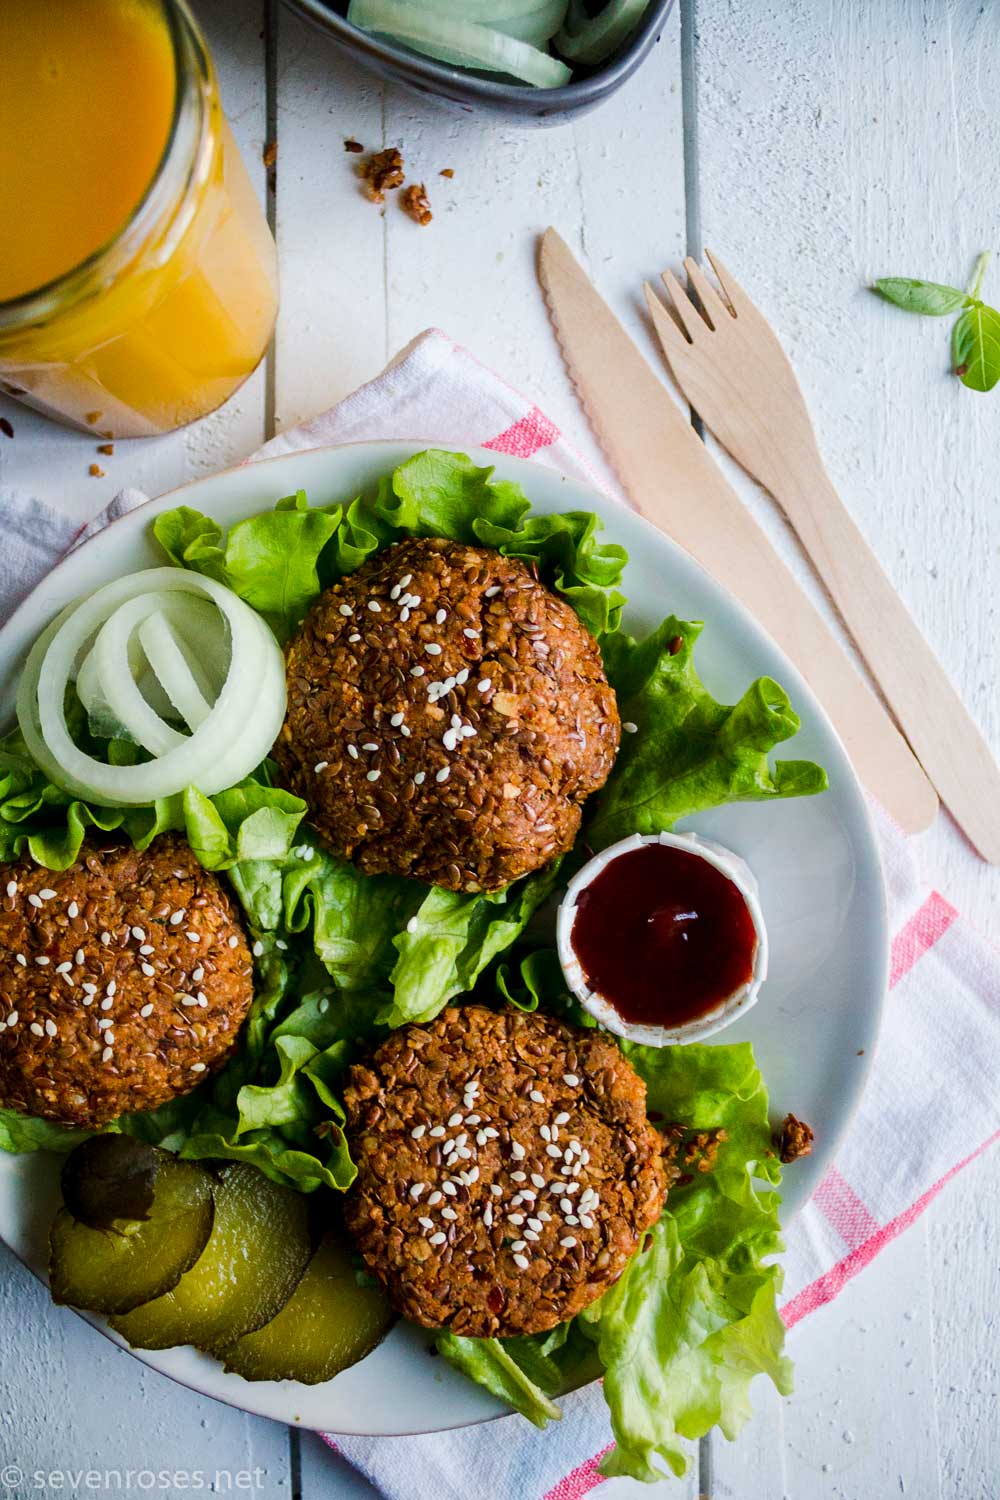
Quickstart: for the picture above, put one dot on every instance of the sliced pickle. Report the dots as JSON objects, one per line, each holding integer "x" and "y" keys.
{"x": 114, "y": 1270}
{"x": 260, "y": 1245}
{"x": 110, "y": 1177}
{"x": 327, "y": 1324}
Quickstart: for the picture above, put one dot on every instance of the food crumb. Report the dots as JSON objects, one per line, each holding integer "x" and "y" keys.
{"x": 793, "y": 1138}
{"x": 352, "y": 145}
{"x": 697, "y": 1151}
{"x": 447, "y": 171}
{"x": 270, "y": 154}
{"x": 382, "y": 171}
{"x": 6, "y": 428}
{"x": 107, "y": 448}
{"x": 92, "y": 418}
{"x": 95, "y": 471}
{"x": 416, "y": 203}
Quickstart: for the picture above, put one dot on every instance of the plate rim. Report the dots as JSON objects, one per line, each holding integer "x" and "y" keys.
{"x": 801, "y": 692}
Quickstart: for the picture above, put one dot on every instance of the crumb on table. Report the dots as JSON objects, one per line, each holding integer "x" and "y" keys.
{"x": 382, "y": 171}
{"x": 270, "y": 154}
{"x": 106, "y": 448}
{"x": 95, "y": 471}
{"x": 416, "y": 203}
{"x": 447, "y": 172}
{"x": 352, "y": 145}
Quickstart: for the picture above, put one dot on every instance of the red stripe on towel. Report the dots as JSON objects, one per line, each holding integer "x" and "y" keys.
{"x": 921, "y": 932}
{"x": 826, "y": 1287}
{"x": 526, "y": 437}
{"x": 844, "y": 1211}
{"x": 581, "y": 1481}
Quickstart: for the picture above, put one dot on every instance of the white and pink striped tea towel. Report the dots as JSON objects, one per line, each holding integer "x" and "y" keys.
{"x": 891, "y": 1165}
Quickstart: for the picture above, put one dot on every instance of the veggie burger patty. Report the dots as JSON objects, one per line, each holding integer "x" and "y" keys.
{"x": 447, "y": 717}
{"x": 123, "y": 981}
{"x": 506, "y": 1169}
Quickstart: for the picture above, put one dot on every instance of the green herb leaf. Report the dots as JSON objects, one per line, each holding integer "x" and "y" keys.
{"x": 975, "y": 347}
{"x": 930, "y": 298}
{"x": 975, "y": 338}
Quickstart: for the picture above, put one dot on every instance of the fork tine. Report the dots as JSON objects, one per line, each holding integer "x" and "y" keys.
{"x": 671, "y": 338}
{"x": 738, "y": 299}
{"x": 712, "y": 304}
{"x": 687, "y": 314}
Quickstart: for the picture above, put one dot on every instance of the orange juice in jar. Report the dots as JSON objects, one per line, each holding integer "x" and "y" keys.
{"x": 138, "y": 283}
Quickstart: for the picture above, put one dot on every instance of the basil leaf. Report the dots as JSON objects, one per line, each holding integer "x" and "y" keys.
{"x": 975, "y": 347}
{"x": 927, "y": 297}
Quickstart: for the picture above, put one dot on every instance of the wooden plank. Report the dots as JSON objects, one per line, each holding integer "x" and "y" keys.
{"x": 51, "y": 461}
{"x": 362, "y": 281}
{"x": 815, "y": 179}
{"x": 963, "y": 1229}
{"x": 837, "y": 145}
{"x": 472, "y": 271}
{"x": 73, "y": 1401}
{"x": 331, "y": 333}
{"x": 862, "y": 1419}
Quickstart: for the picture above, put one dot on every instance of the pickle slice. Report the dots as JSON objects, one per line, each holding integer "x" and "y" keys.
{"x": 328, "y": 1323}
{"x": 110, "y": 1177}
{"x": 116, "y": 1269}
{"x": 258, "y": 1249}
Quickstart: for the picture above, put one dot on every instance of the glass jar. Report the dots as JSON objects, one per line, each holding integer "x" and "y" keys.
{"x": 164, "y": 321}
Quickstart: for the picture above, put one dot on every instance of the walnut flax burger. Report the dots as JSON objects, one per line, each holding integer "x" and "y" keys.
{"x": 506, "y": 1169}
{"x": 123, "y": 981}
{"x": 448, "y": 716}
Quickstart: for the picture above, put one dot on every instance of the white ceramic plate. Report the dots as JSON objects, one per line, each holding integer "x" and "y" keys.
{"x": 814, "y": 1028}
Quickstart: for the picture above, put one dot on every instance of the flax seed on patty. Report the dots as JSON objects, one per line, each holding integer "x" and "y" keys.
{"x": 506, "y": 1169}
{"x": 123, "y": 981}
{"x": 448, "y": 716}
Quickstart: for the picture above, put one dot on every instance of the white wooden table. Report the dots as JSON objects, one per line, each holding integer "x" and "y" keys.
{"x": 815, "y": 146}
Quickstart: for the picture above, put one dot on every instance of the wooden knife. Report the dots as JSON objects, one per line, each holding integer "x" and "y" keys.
{"x": 675, "y": 483}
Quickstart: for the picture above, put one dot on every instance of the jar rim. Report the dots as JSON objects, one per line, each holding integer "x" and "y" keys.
{"x": 192, "y": 72}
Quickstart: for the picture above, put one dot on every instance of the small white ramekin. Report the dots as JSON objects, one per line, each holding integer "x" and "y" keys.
{"x": 723, "y": 1014}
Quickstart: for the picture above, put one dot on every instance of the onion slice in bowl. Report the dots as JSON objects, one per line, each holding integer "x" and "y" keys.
{"x": 232, "y": 737}
{"x": 465, "y": 44}
{"x": 592, "y": 39}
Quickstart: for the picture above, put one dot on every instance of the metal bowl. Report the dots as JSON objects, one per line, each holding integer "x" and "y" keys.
{"x": 506, "y": 103}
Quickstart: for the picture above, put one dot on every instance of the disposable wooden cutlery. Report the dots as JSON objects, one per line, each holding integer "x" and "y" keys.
{"x": 671, "y": 477}
{"x": 730, "y": 366}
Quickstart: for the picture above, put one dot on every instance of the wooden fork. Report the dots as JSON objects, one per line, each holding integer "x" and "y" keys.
{"x": 727, "y": 361}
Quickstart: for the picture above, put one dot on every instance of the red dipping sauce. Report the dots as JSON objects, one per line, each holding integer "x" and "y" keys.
{"x": 663, "y": 935}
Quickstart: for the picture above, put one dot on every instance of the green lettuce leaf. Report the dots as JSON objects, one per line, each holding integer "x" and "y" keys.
{"x": 514, "y": 1370}
{"x": 281, "y": 560}
{"x": 452, "y": 937}
{"x": 271, "y": 560}
{"x": 689, "y": 752}
{"x": 24, "y": 1133}
{"x": 694, "y": 1316}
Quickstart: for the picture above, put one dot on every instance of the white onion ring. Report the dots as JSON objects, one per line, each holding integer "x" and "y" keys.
{"x": 172, "y": 669}
{"x": 227, "y": 745}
